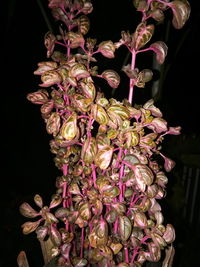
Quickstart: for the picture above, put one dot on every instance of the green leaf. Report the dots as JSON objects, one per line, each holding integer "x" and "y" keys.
{"x": 111, "y": 77}
{"x": 125, "y": 228}
{"x": 142, "y": 35}
{"x": 181, "y": 12}
{"x": 160, "y": 48}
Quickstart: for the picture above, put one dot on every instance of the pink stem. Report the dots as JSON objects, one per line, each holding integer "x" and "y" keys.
{"x": 131, "y": 86}
{"x": 82, "y": 242}
{"x": 126, "y": 254}
{"x": 135, "y": 252}
{"x": 116, "y": 226}
{"x": 94, "y": 175}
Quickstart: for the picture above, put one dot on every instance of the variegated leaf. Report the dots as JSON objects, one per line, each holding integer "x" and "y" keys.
{"x": 83, "y": 24}
{"x": 103, "y": 157}
{"x": 143, "y": 174}
{"x": 149, "y": 105}
{"x": 112, "y": 77}
{"x": 38, "y": 97}
{"x": 38, "y": 200}
{"x": 53, "y": 123}
{"x": 99, "y": 114}
{"x": 50, "y": 77}
{"x": 49, "y": 42}
{"x": 142, "y": 35}
{"x": 159, "y": 125}
{"x": 55, "y": 235}
{"x": 89, "y": 150}
{"x": 140, "y": 220}
{"x": 125, "y": 228}
{"x": 78, "y": 71}
{"x": 169, "y": 234}
{"x": 107, "y": 49}
{"x": 88, "y": 88}
{"x": 76, "y": 39}
{"x": 27, "y": 211}
{"x": 45, "y": 66}
{"x": 116, "y": 247}
{"x": 160, "y": 48}
{"x": 29, "y": 227}
{"x": 181, "y": 12}
{"x": 84, "y": 211}
{"x": 69, "y": 128}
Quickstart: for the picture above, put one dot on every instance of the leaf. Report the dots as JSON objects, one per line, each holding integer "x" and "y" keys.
{"x": 79, "y": 262}
{"x": 38, "y": 200}
{"x": 106, "y": 252}
{"x": 50, "y": 77}
{"x": 84, "y": 211}
{"x": 81, "y": 103}
{"x": 29, "y": 227}
{"x": 27, "y": 211}
{"x": 88, "y": 88}
{"x": 49, "y": 42}
{"x": 160, "y": 48}
{"x": 62, "y": 213}
{"x": 119, "y": 208}
{"x": 159, "y": 125}
{"x": 110, "y": 191}
{"x": 22, "y": 259}
{"x": 169, "y": 234}
{"x": 41, "y": 232}
{"x": 143, "y": 77}
{"x": 174, "y": 130}
{"x": 55, "y": 236}
{"x": 76, "y": 39}
{"x": 47, "y": 107}
{"x": 78, "y": 71}
{"x": 55, "y": 201}
{"x": 154, "y": 254}
{"x": 89, "y": 150}
{"x": 45, "y": 66}
{"x": 69, "y": 128}
{"x": 99, "y": 114}
{"x": 169, "y": 255}
{"x": 111, "y": 77}
{"x": 103, "y": 157}
{"x": 83, "y": 24}
{"x": 142, "y": 35}
{"x": 102, "y": 229}
{"x": 116, "y": 247}
{"x": 140, "y": 220}
{"x": 143, "y": 175}
{"x": 53, "y": 123}
{"x": 87, "y": 7}
{"x": 107, "y": 49}
{"x": 149, "y": 105}
{"x": 181, "y": 12}
{"x": 39, "y": 97}
{"x": 125, "y": 228}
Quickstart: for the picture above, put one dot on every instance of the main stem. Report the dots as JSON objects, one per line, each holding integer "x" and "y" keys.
{"x": 131, "y": 86}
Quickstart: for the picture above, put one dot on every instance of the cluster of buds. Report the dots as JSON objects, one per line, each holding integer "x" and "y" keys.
{"x": 105, "y": 210}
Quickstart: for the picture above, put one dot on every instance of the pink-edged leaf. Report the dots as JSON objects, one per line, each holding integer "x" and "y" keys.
{"x": 88, "y": 88}
{"x": 160, "y": 48}
{"x": 87, "y": 7}
{"x": 50, "y": 77}
{"x": 174, "y": 130}
{"x": 124, "y": 228}
{"x": 55, "y": 235}
{"x": 169, "y": 163}
{"x": 181, "y": 12}
{"x": 143, "y": 173}
{"x": 78, "y": 71}
{"x": 38, "y": 200}
{"x": 154, "y": 253}
{"x": 29, "y": 227}
{"x": 149, "y": 105}
{"x": 47, "y": 107}
{"x": 27, "y": 211}
{"x": 99, "y": 114}
{"x": 69, "y": 128}
{"x": 107, "y": 49}
{"x": 89, "y": 150}
{"x": 102, "y": 229}
{"x": 83, "y": 24}
{"x": 142, "y": 35}
{"x": 76, "y": 39}
{"x": 140, "y": 5}
{"x": 112, "y": 77}
{"x": 169, "y": 234}
{"x": 42, "y": 232}
{"x": 56, "y": 199}
{"x": 158, "y": 125}
{"x": 49, "y": 42}
{"x": 161, "y": 179}
{"x": 53, "y": 123}
{"x": 45, "y": 66}
{"x": 57, "y": 3}
{"x": 22, "y": 259}
{"x": 38, "y": 97}
{"x": 103, "y": 157}
{"x": 140, "y": 220}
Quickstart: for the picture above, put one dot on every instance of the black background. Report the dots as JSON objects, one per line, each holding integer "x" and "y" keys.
{"x": 27, "y": 165}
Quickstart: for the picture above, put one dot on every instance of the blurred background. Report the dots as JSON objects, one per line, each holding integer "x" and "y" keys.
{"x": 27, "y": 165}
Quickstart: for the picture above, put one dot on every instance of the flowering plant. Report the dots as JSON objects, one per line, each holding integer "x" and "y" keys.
{"x": 105, "y": 211}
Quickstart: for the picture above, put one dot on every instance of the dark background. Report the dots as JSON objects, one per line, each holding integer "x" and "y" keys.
{"x": 27, "y": 165}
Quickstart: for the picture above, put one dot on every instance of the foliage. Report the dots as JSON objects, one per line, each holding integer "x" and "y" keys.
{"x": 105, "y": 210}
